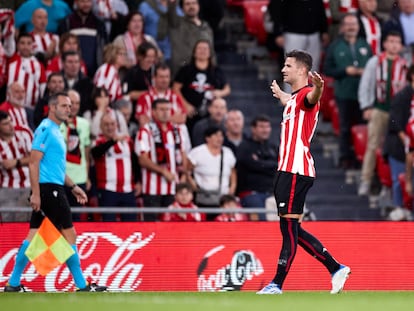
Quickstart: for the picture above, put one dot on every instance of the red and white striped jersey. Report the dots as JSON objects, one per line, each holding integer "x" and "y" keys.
{"x": 114, "y": 169}
{"x": 42, "y": 42}
{"x": 297, "y": 128}
{"x": 409, "y": 130}
{"x": 144, "y": 102}
{"x": 164, "y": 149}
{"x": 348, "y": 6}
{"x": 372, "y": 29}
{"x": 18, "y": 147}
{"x": 18, "y": 115}
{"x": 30, "y": 73}
{"x": 55, "y": 65}
{"x": 107, "y": 76}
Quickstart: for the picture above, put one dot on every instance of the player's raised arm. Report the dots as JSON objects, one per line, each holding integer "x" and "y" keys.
{"x": 279, "y": 94}
{"x": 315, "y": 95}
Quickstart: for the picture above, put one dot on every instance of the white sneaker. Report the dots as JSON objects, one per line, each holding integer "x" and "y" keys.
{"x": 270, "y": 289}
{"x": 339, "y": 278}
{"x": 364, "y": 188}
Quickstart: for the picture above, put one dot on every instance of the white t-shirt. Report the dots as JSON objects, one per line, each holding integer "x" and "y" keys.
{"x": 207, "y": 168}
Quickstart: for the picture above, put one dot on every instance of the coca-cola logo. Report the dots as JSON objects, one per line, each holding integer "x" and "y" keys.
{"x": 223, "y": 271}
{"x": 120, "y": 272}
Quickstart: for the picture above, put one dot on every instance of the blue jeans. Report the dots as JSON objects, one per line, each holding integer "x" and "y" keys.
{"x": 116, "y": 199}
{"x": 397, "y": 167}
{"x": 256, "y": 199}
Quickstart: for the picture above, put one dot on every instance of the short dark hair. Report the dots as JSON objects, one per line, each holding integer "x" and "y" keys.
{"x": 54, "y": 98}
{"x": 183, "y": 185}
{"x": 228, "y": 198}
{"x": 259, "y": 118}
{"x": 54, "y": 74}
{"x": 24, "y": 35}
{"x": 301, "y": 57}
{"x": 69, "y": 53}
{"x": 161, "y": 66}
{"x": 392, "y": 33}
{"x": 144, "y": 47}
{"x": 159, "y": 101}
{"x": 3, "y": 115}
{"x": 211, "y": 130}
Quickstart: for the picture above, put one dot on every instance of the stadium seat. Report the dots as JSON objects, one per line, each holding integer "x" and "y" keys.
{"x": 383, "y": 169}
{"x": 407, "y": 199}
{"x": 253, "y": 19}
{"x": 327, "y": 96}
{"x": 334, "y": 112}
{"x": 359, "y": 136}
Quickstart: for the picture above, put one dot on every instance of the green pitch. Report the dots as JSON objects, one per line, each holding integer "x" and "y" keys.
{"x": 238, "y": 301}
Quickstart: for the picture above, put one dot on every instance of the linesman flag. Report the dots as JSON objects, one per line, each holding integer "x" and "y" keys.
{"x": 48, "y": 248}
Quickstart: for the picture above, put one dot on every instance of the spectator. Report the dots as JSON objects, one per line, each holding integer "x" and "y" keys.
{"x": 116, "y": 169}
{"x": 161, "y": 89}
{"x": 345, "y": 61}
{"x": 24, "y": 68}
{"x": 213, "y": 169}
{"x": 124, "y": 106}
{"x": 370, "y": 24}
{"x": 112, "y": 13}
{"x": 292, "y": 33}
{"x": 76, "y": 132}
{"x": 107, "y": 75}
{"x": 45, "y": 44}
{"x": 217, "y": 111}
{"x": 90, "y": 31}
{"x": 185, "y": 32}
{"x": 335, "y": 12}
{"x": 68, "y": 42}
{"x": 133, "y": 37}
{"x": 256, "y": 164}
{"x": 139, "y": 77}
{"x": 229, "y": 201}
{"x": 54, "y": 85}
{"x": 100, "y": 105}
{"x": 402, "y": 20}
{"x": 183, "y": 200}
{"x": 75, "y": 79}
{"x": 20, "y": 116}
{"x": 159, "y": 147}
{"x": 155, "y": 13}
{"x": 384, "y": 76}
{"x": 396, "y": 137}
{"x": 7, "y": 46}
{"x": 56, "y": 10}
{"x": 15, "y": 146}
{"x": 234, "y": 125}
{"x": 199, "y": 82}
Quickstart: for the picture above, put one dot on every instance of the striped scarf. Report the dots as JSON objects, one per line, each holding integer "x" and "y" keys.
{"x": 398, "y": 72}
{"x": 6, "y": 35}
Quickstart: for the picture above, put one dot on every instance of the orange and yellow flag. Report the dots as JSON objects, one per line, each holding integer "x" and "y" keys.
{"x": 48, "y": 248}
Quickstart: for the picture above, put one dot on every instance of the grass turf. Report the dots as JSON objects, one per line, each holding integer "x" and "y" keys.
{"x": 183, "y": 301}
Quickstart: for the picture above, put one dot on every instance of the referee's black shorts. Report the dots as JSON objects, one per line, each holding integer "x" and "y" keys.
{"x": 54, "y": 205}
{"x": 290, "y": 192}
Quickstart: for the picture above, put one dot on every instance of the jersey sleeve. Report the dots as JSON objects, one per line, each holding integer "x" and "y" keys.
{"x": 40, "y": 139}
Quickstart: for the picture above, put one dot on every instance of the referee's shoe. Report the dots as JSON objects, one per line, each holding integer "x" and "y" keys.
{"x": 92, "y": 287}
{"x": 14, "y": 289}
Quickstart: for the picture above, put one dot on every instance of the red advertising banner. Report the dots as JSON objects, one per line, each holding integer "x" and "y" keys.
{"x": 221, "y": 256}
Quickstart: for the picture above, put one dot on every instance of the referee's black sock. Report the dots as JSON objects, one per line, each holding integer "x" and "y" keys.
{"x": 289, "y": 229}
{"x": 315, "y": 248}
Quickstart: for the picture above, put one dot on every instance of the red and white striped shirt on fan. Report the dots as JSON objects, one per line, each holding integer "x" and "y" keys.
{"x": 18, "y": 115}
{"x": 114, "y": 169}
{"x": 372, "y": 29}
{"x": 297, "y": 129}
{"x": 107, "y": 76}
{"x": 41, "y": 43}
{"x": 163, "y": 149}
{"x": 19, "y": 147}
{"x": 144, "y": 102}
{"x": 30, "y": 73}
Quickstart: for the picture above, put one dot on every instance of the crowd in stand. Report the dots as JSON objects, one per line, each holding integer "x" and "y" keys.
{"x": 150, "y": 124}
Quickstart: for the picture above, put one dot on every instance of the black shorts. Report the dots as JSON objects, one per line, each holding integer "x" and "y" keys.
{"x": 55, "y": 205}
{"x": 290, "y": 192}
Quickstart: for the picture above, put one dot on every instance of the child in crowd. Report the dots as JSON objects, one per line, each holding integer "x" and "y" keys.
{"x": 183, "y": 200}
{"x": 229, "y": 201}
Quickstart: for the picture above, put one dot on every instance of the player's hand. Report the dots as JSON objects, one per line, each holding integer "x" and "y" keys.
{"x": 80, "y": 195}
{"x": 316, "y": 79}
{"x": 35, "y": 202}
{"x": 279, "y": 94}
